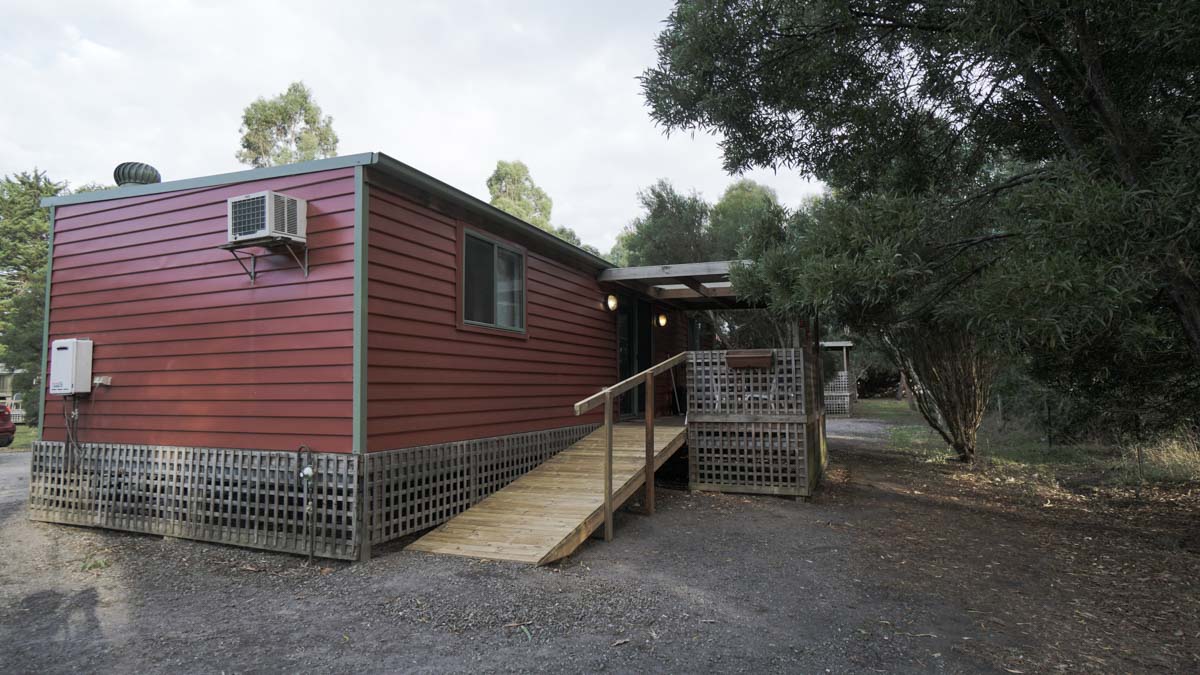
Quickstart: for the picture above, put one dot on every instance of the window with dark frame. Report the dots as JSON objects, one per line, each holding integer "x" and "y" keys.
{"x": 493, "y": 284}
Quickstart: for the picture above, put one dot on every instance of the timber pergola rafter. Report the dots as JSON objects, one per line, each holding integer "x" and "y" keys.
{"x": 703, "y": 285}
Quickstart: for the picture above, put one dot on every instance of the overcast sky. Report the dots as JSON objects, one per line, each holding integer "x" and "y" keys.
{"x": 447, "y": 87}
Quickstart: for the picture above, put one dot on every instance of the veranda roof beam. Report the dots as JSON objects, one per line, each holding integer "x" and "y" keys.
{"x": 717, "y": 270}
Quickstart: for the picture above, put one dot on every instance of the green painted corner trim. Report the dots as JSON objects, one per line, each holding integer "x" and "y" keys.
{"x": 46, "y": 327}
{"x": 361, "y": 204}
{"x": 214, "y": 180}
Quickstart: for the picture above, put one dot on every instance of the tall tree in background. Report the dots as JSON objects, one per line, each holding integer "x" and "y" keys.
{"x": 680, "y": 228}
{"x": 673, "y": 227}
{"x": 1093, "y": 101}
{"x": 24, "y": 229}
{"x": 744, "y": 205}
{"x": 285, "y": 129}
{"x": 619, "y": 253}
{"x": 513, "y": 191}
{"x": 1075, "y": 120}
{"x": 880, "y": 265}
{"x": 21, "y": 341}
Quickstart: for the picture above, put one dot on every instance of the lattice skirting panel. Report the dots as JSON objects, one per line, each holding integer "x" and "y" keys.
{"x": 245, "y": 497}
{"x": 413, "y": 489}
{"x": 752, "y": 457}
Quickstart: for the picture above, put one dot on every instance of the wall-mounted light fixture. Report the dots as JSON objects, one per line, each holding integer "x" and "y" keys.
{"x": 611, "y": 302}
{"x": 662, "y": 319}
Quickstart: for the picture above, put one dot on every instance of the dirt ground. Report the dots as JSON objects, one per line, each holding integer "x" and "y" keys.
{"x": 897, "y": 565}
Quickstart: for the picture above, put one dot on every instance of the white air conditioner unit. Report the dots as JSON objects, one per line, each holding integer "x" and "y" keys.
{"x": 267, "y": 214}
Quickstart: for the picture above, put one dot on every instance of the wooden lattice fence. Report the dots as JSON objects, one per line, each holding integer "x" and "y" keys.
{"x": 249, "y": 498}
{"x": 414, "y": 489}
{"x": 259, "y": 499}
{"x": 751, "y": 429}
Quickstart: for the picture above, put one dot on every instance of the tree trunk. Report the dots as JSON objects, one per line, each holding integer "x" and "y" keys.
{"x": 718, "y": 329}
{"x": 950, "y": 374}
{"x": 1185, "y": 297}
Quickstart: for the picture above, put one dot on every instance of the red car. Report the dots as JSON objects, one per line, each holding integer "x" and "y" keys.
{"x": 7, "y": 428}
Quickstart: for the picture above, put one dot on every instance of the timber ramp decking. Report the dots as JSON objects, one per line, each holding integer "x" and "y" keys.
{"x": 549, "y": 512}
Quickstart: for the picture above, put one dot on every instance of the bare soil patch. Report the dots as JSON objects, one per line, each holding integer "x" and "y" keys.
{"x": 1074, "y": 577}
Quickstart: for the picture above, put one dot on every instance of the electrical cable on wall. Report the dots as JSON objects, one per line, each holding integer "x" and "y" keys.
{"x": 306, "y": 475}
{"x": 71, "y": 424}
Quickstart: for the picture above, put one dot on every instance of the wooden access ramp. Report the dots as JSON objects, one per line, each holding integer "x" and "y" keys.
{"x": 547, "y": 513}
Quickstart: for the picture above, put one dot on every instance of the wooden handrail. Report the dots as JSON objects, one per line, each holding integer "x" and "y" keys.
{"x": 605, "y": 396}
{"x": 629, "y": 383}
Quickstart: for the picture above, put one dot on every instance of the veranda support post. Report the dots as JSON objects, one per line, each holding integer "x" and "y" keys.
{"x": 648, "y": 487}
{"x": 608, "y": 465}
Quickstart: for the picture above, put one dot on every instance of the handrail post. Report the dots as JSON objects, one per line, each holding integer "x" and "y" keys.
{"x": 608, "y": 465}
{"x": 648, "y": 487}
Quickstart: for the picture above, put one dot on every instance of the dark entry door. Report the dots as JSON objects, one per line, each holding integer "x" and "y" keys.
{"x": 633, "y": 350}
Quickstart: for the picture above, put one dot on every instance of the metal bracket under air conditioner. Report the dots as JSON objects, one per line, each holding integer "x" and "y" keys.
{"x": 272, "y": 245}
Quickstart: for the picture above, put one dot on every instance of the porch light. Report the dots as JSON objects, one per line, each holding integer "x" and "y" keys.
{"x": 611, "y": 301}
{"x": 662, "y": 319}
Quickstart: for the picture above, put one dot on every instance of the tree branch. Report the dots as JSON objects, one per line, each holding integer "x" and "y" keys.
{"x": 893, "y": 22}
{"x": 1017, "y": 180}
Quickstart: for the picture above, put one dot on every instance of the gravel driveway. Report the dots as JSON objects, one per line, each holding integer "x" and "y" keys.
{"x": 710, "y": 582}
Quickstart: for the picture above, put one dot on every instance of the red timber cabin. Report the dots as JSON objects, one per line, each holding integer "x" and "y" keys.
{"x": 326, "y": 356}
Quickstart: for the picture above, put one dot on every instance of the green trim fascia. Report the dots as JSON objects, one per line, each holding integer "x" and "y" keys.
{"x": 210, "y": 181}
{"x": 361, "y": 206}
{"x": 424, "y": 181}
{"x": 46, "y": 328}
{"x": 387, "y": 165}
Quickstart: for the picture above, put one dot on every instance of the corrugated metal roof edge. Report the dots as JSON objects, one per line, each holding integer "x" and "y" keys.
{"x": 380, "y": 160}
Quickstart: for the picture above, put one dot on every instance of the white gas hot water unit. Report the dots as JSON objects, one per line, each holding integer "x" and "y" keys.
{"x": 71, "y": 366}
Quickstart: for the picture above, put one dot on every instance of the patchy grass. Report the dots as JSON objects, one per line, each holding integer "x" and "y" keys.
{"x": 25, "y": 437}
{"x": 1169, "y": 460}
{"x": 92, "y": 563}
{"x": 908, "y": 431}
{"x": 887, "y": 410}
{"x": 920, "y": 441}
{"x": 1018, "y": 450}
{"x": 1023, "y": 447}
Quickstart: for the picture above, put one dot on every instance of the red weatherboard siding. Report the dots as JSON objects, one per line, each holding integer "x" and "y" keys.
{"x": 199, "y": 357}
{"x": 430, "y": 381}
{"x": 668, "y": 341}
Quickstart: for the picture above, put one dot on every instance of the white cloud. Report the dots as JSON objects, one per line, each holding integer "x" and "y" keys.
{"x": 446, "y": 87}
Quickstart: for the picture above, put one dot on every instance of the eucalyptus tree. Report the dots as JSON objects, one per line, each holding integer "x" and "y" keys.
{"x": 24, "y": 232}
{"x": 513, "y": 191}
{"x": 287, "y": 128}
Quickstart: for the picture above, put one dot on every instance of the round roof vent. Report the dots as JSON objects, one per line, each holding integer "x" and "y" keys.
{"x": 136, "y": 173}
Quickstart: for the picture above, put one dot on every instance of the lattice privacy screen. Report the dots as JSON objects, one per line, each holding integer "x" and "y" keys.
{"x": 753, "y": 429}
